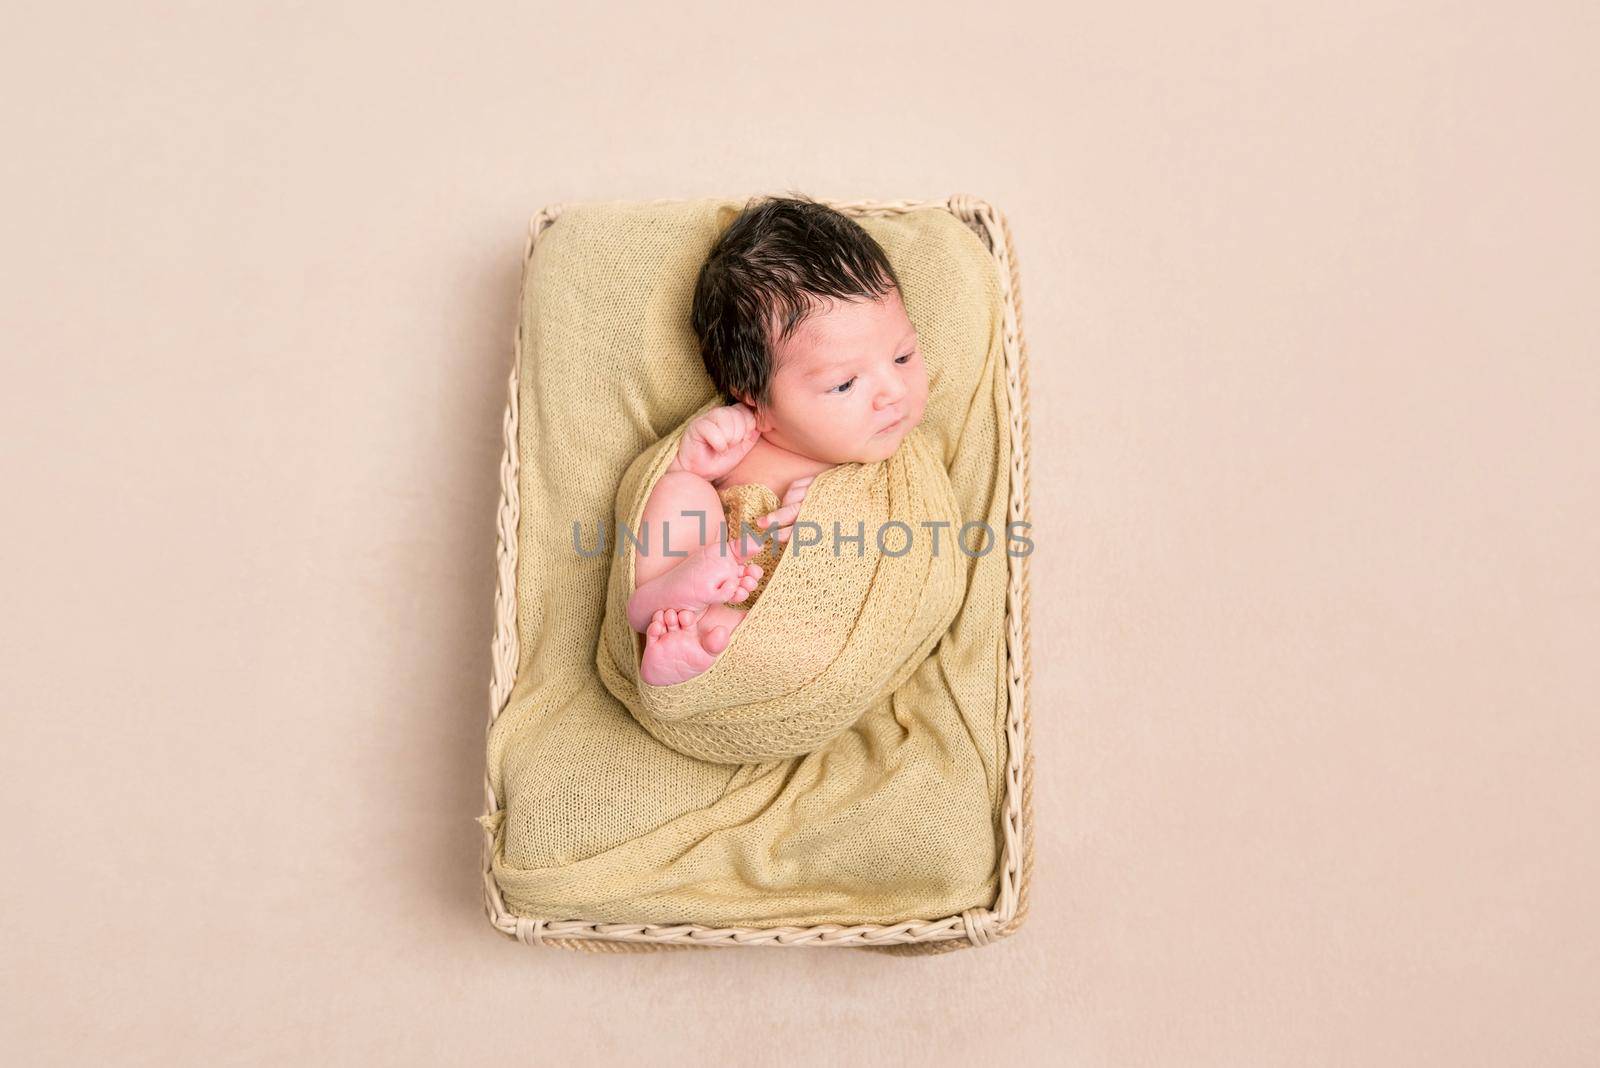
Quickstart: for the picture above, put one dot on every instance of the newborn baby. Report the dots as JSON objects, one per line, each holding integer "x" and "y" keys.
{"x": 803, "y": 330}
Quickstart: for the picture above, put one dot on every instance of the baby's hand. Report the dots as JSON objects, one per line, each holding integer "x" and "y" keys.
{"x": 714, "y": 444}
{"x": 782, "y": 520}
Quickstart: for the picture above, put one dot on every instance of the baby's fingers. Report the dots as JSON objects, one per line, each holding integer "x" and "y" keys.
{"x": 782, "y": 533}
{"x": 782, "y": 517}
{"x": 797, "y": 490}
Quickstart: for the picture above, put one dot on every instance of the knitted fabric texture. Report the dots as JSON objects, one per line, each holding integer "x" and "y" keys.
{"x": 843, "y": 622}
{"x": 896, "y": 817}
{"x": 742, "y": 505}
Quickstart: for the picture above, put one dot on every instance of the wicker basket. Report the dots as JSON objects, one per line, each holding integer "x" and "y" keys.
{"x": 974, "y": 927}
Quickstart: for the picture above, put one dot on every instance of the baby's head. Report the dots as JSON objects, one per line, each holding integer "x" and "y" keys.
{"x": 799, "y": 316}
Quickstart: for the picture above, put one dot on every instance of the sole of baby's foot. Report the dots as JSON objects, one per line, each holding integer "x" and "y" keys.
{"x": 675, "y": 651}
{"x": 714, "y": 574}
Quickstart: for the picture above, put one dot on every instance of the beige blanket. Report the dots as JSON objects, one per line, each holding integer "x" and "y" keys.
{"x": 867, "y": 584}
{"x": 896, "y": 815}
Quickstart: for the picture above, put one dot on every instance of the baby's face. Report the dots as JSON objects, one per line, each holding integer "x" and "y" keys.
{"x": 850, "y": 383}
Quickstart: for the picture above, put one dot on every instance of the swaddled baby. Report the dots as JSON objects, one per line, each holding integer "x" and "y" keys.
{"x": 803, "y": 330}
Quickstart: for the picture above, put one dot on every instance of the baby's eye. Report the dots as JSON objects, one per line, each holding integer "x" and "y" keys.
{"x": 903, "y": 359}
{"x": 842, "y": 387}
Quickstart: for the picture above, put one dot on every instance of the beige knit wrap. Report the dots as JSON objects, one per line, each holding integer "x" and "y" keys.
{"x": 842, "y": 621}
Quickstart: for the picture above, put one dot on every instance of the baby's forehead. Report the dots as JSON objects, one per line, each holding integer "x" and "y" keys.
{"x": 840, "y": 329}
{"x": 811, "y": 352}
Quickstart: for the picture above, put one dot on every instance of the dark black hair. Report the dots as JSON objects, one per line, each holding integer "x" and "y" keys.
{"x": 777, "y": 256}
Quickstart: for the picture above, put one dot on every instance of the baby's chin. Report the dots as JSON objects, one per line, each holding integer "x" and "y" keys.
{"x": 880, "y": 447}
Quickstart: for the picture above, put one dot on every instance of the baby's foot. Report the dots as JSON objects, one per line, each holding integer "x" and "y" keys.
{"x": 712, "y": 574}
{"x": 674, "y": 651}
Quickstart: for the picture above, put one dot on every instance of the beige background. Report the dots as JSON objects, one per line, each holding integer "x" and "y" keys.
{"x": 1310, "y": 294}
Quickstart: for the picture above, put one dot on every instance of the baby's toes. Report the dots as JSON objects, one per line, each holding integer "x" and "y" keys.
{"x": 658, "y": 625}
{"x": 752, "y": 572}
{"x": 716, "y": 641}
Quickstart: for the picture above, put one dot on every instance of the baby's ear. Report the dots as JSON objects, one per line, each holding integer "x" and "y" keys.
{"x": 763, "y": 423}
